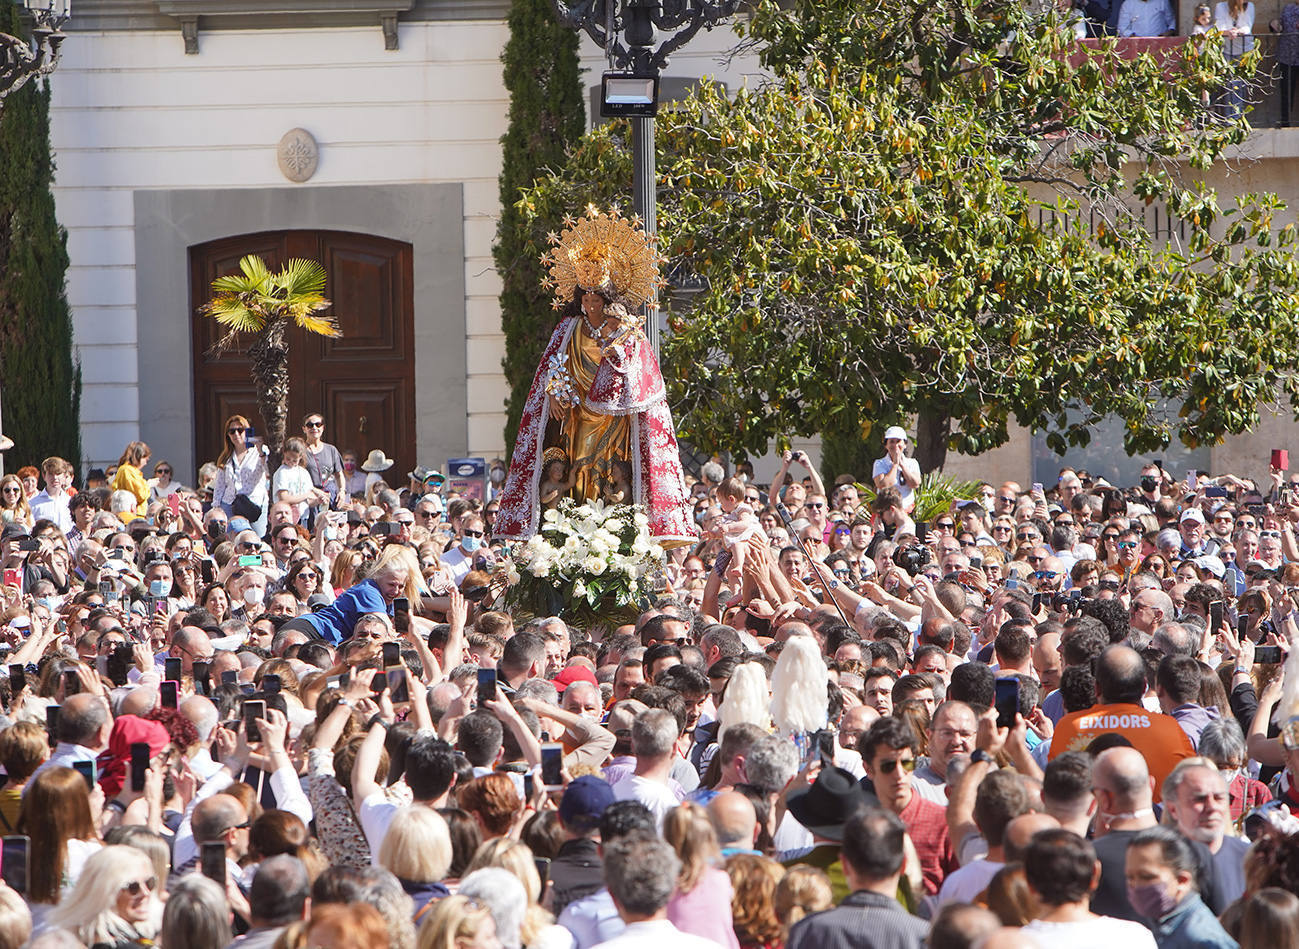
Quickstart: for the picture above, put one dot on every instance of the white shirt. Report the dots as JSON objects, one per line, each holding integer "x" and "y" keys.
{"x": 965, "y": 884}
{"x": 375, "y": 814}
{"x": 656, "y": 934}
{"x": 592, "y": 920}
{"x": 459, "y": 562}
{"x": 295, "y": 480}
{"x": 64, "y": 754}
{"x": 910, "y": 465}
{"x": 45, "y": 507}
{"x": 657, "y": 797}
{"x": 1090, "y": 933}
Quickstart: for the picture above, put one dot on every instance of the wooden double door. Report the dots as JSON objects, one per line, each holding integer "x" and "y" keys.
{"x": 362, "y": 382}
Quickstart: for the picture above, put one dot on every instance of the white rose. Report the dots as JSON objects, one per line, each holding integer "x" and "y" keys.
{"x": 551, "y": 516}
{"x": 572, "y": 544}
{"x": 640, "y": 519}
{"x": 594, "y": 566}
{"x": 539, "y": 568}
{"x": 656, "y": 552}
{"x": 583, "y": 511}
{"x": 640, "y": 547}
{"x": 579, "y": 588}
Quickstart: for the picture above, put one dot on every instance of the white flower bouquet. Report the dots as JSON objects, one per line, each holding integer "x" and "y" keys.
{"x": 589, "y": 561}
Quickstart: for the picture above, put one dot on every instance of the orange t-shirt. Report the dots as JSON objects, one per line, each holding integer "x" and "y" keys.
{"x": 1158, "y": 737}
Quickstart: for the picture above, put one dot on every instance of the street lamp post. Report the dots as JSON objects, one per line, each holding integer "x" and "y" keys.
{"x": 22, "y": 59}
{"x": 629, "y": 33}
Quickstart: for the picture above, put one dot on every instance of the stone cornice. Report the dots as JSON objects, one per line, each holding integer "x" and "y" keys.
{"x": 190, "y": 17}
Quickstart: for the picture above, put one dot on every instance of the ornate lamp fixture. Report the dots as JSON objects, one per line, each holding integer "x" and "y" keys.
{"x": 22, "y": 59}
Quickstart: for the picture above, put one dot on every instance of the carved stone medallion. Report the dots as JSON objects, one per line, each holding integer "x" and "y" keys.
{"x": 298, "y": 155}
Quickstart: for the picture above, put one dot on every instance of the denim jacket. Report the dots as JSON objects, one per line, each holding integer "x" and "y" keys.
{"x": 1192, "y": 926}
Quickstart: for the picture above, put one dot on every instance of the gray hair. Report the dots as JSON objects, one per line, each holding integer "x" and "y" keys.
{"x": 506, "y": 899}
{"x": 196, "y": 914}
{"x": 540, "y": 689}
{"x": 1173, "y": 783}
{"x": 1174, "y": 639}
{"x": 641, "y": 873}
{"x": 1222, "y": 742}
{"x": 653, "y": 733}
{"x": 771, "y": 763}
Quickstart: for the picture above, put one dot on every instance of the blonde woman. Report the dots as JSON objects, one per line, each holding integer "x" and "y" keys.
{"x": 396, "y": 574}
{"x": 802, "y": 891}
{"x": 14, "y": 508}
{"x": 115, "y": 902}
{"x": 536, "y": 928}
{"x": 458, "y": 922}
{"x": 701, "y": 904}
{"x": 130, "y": 475}
{"x": 417, "y": 850}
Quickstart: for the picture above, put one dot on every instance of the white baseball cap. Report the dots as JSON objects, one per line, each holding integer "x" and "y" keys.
{"x": 895, "y": 431}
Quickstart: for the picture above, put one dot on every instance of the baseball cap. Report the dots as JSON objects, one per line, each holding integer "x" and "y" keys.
{"x": 14, "y": 530}
{"x": 238, "y": 524}
{"x": 1192, "y": 514}
{"x": 584, "y": 802}
{"x": 895, "y": 431}
{"x": 570, "y": 674}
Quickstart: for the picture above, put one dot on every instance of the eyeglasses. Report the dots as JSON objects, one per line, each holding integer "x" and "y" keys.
{"x": 286, "y": 539}
{"x": 1109, "y": 536}
{"x": 248, "y": 545}
{"x": 1005, "y": 497}
{"x": 315, "y": 424}
{"x": 1044, "y": 574}
{"x": 889, "y": 765}
{"x": 1276, "y": 534}
{"x": 162, "y": 470}
{"x": 816, "y": 507}
{"x": 1127, "y": 544}
{"x": 843, "y": 574}
{"x": 469, "y": 533}
{"x": 1002, "y": 527}
{"x": 1036, "y": 559}
{"x": 235, "y": 430}
{"x": 1024, "y": 536}
{"x": 944, "y": 525}
{"x": 12, "y": 489}
{"x": 136, "y": 886}
{"x": 1108, "y": 585}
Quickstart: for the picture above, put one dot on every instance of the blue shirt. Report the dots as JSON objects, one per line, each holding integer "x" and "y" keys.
{"x": 335, "y": 621}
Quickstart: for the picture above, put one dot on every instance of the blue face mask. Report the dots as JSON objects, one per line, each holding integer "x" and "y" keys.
{"x": 470, "y": 544}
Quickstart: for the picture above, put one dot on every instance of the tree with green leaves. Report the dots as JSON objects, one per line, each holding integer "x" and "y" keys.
{"x": 41, "y": 382}
{"x": 546, "y": 116}
{"x": 267, "y": 304}
{"x": 938, "y": 211}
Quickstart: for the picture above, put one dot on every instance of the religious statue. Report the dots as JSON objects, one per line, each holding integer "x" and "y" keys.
{"x": 597, "y": 400}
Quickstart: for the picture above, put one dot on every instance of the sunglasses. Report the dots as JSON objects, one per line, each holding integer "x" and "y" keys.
{"x": 944, "y": 525}
{"x": 313, "y": 425}
{"x": 1023, "y": 536}
{"x": 162, "y": 470}
{"x": 1036, "y": 559}
{"x": 1002, "y": 527}
{"x": 12, "y": 489}
{"x": 816, "y": 507}
{"x": 1127, "y": 544}
{"x": 889, "y": 765}
{"x": 135, "y": 887}
{"x": 286, "y": 539}
{"x": 235, "y": 431}
{"x": 248, "y": 546}
{"x": 1044, "y": 574}
{"x": 1276, "y": 534}
{"x": 1109, "y": 536}
{"x": 473, "y": 533}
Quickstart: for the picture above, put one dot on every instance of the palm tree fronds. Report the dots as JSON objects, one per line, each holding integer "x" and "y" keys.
{"x": 255, "y": 269}
{"x": 301, "y": 278}
{"x": 234, "y": 313}
{"x": 320, "y": 325}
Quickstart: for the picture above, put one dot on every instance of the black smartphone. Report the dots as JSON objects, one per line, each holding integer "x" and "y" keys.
{"x": 71, "y": 682}
{"x": 230, "y": 677}
{"x": 52, "y": 723}
{"x": 118, "y": 666}
{"x": 1215, "y": 617}
{"x": 1213, "y": 491}
{"x": 172, "y": 669}
{"x": 400, "y": 616}
{"x": 1007, "y": 702}
{"x": 486, "y": 686}
{"x": 543, "y": 870}
{"x": 1158, "y": 463}
{"x": 391, "y": 654}
{"x": 529, "y": 787}
{"x": 169, "y": 694}
{"x": 398, "y": 688}
{"x": 87, "y": 770}
{"x": 1267, "y": 654}
{"x": 1242, "y": 626}
{"x": 212, "y": 862}
{"x": 271, "y": 683}
{"x": 15, "y": 863}
{"x": 383, "y": 529}
{"x": 823, "y": 745}
{"x": 139, "y": 764}
{"x": 17, "y": 679}
{"x": 202, "y": 678}
{"x": 1037, "y": 603}
{"x": 552, "y": 762}
{"x": 29, "y": 544}
{"x": 922, "y": 532}
{"x": 107, "y": 591}
{"x": 207, "y": 571}
{"x": 254, "y": 709}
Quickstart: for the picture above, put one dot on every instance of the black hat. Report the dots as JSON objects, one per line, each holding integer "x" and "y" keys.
{"x": 14, "y": 530}
{"x": 824, "y": 807}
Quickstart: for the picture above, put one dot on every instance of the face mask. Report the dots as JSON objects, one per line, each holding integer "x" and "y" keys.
{"x": 216, "y": 530}
{"x": 49, "y": 602}
{"x": 699, "y": 518}
{"x": 330, "y": 533}
{"x": 498, "y": 475}
{"x": 1151, "y": 900}
{"x": 470, "y": 544}
{"x": 1148, "y": 483}
{"x": 163, "y": 588}
{"x": 253, "y": 595}
{"x": 349, "y": 466}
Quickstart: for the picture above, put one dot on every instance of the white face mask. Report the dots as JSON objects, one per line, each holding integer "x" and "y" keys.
{"x": 254, "y": 595}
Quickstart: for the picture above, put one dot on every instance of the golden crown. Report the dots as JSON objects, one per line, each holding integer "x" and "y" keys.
{"x": 603, "y": 251}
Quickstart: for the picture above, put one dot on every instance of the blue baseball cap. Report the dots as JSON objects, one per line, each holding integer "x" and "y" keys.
{"x": 584, "y": 802}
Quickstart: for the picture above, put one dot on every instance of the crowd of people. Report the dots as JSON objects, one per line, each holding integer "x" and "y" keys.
{"x": 290, "y": 709}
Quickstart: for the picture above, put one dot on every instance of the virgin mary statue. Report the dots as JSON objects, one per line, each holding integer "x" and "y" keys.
{"x": 596, "y": 423}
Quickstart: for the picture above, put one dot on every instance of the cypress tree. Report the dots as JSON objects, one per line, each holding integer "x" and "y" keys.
{"x": 546, "y": 115}
{"x": 42, "y": 385}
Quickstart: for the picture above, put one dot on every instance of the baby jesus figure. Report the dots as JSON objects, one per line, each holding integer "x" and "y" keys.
{"x": 556, "y": 480}
{"x": 618, "y": 488}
